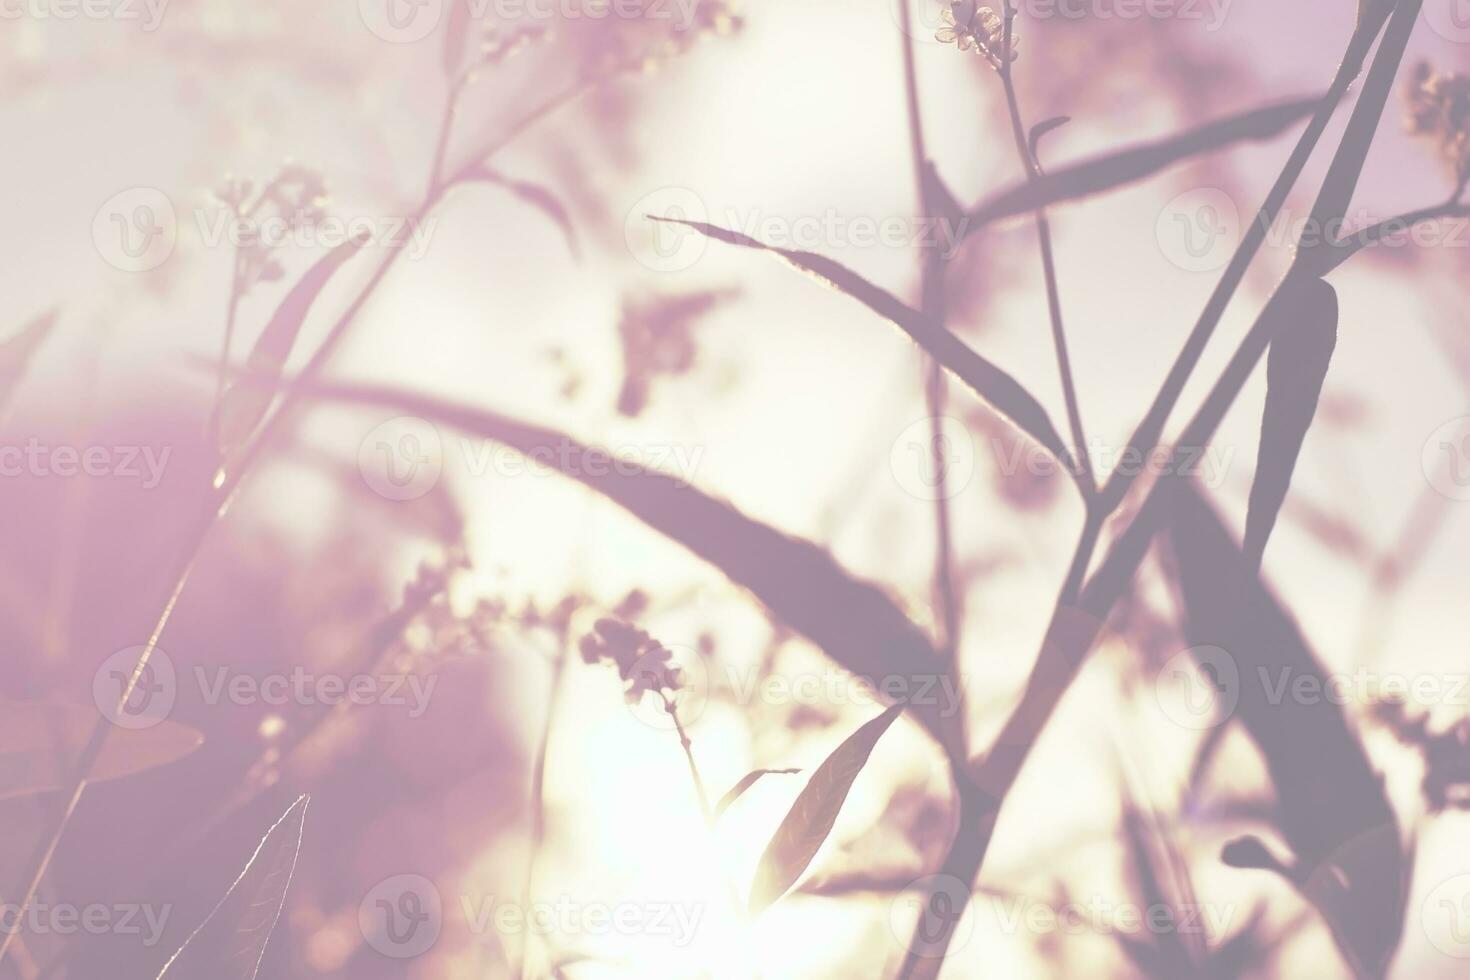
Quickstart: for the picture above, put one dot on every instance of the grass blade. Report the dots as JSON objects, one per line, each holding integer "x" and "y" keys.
{"x": 454, "y": 36}
{"x": 1122, "y": 167}
{"x": 1332, "y": 809}
{"x": 41, "y": 743}
{"x": 995, "y": 386}
{"x": 813, "y": 814}
{"x": 857, "y": 623}
{"x": 16, "y": 353}
{"x": 540, "y": 198}
{"x": 750, "y": 780}
{"x": 245, "y": 405}
{"x": 1296, "y": 368}
{"x": 231, "y": 942}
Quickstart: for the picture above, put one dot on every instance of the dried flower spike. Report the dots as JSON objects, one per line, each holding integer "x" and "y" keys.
{"x": 1439, "y": 109}
{"x": 644, "y": 663}
{"x": 970, "y": 26}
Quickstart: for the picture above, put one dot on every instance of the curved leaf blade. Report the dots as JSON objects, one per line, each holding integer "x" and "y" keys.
{"x": 750, "y": 779}
{"x": 244, "y": 405}
{"x": 16, "y": 353}
{"x": 41, "y": 742}
{"x": 1332, "y": 810}
{"x": 1296, "y": 368}
{"x": 231, "y": 942}
{"x": 541, "y": 198}
{"x": 995, "y": 386}
{"x": 1121, "y": 167}
{"x": 814, "y": 813}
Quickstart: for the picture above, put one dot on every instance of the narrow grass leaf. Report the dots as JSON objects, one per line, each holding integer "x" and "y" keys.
{"x": 1121, "y": 167}
{"x": 41, "y": 742}
{"x": 1296, "y": 368}
{"x": 16, "y": 353}
{"x": 811, "y": 818}
{"x": 231, "y": 942}
{"x": 751, "y": 778}
{"x": 995, "y": 386}
{"x": 454, "y": 36}
{"x": 1332, "y": 811}
{"x": 858, "y": 624}
{"x": 244, "y": 405}
{"x": 540, "y": 198}
{"x": 1041, "y": 129}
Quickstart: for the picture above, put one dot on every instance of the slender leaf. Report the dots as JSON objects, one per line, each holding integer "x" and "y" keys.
{"x": 751, "y": 778}
{"x": 998, "y": 388}
{"x": 1332, "y": 810}
{"x": 1122, "y": 167}
{"x": 454, "y": 36}
{"x": 1296, "y": 368}
{"x": 231, "y": 942}
{"x": 16, "y": 353}
{"x": 855, "y": 622}
{"x": 40, "y": 744}
{"x": 244, "y": 405}
{"x": 540, "y": 198}
{"x": 811, "y": 818}
{"x": 1041, "y": 129}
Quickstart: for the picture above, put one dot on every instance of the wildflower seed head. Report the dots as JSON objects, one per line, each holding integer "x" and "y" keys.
{"x": 643, "y": 663}
{"x": 968, "y": 26}
{"x": 1438, "y": 109}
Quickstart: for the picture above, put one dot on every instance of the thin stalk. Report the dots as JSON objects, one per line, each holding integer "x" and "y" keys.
{"x": 932, "y": 305}
{"x": 1032, "y": 168}
{"x": 538, "y": 801}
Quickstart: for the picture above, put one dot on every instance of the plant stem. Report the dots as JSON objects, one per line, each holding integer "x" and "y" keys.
{"x": 932, "y": 305}
{"x": 1032, "y": 168}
